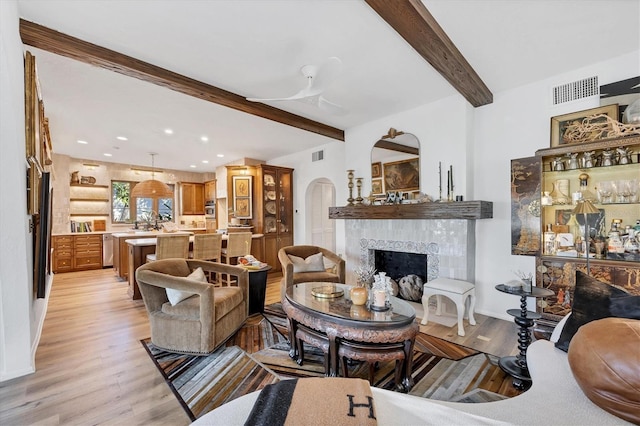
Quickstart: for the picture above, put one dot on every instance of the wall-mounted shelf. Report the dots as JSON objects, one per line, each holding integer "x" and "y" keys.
{"x": 470, "y": 210}
{"x": 106, "y": 200}
{"x": 88, "y": 214}
{"x": 86, "y": 185}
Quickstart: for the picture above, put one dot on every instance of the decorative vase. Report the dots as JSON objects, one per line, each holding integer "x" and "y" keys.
{"x": 358, "y": 295}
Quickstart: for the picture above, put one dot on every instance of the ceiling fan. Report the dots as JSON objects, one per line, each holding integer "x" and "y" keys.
{"x": 319, "y": 77}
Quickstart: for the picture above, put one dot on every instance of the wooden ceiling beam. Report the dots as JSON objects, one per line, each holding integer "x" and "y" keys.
{"x": 412, "y": 20}
{"x": 44, "y": 38}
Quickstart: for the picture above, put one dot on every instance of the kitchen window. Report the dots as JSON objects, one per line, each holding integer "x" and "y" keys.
{"x": 127, "y": 209}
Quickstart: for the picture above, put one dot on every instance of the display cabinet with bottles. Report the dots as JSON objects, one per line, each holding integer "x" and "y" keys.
{"x": 548, "y": 187}
{"x": 274, "y": 204}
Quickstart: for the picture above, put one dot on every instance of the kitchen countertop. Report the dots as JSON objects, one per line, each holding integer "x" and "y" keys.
{"x": 153, "y": 241}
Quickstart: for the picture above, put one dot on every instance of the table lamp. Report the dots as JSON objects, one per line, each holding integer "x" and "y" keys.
{"x": 586, "y": 207}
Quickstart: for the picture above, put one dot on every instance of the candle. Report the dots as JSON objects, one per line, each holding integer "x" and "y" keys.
{"x": 451, "y": 177}
{"x": 448, "y": 182}
{"x": 379, "y": 298}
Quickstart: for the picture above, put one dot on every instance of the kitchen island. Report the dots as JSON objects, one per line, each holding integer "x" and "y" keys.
{"x": 139, "y": 248}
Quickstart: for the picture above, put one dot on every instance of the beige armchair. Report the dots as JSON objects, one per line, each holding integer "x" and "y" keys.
{"x": 289, "y": 278}
{"x": 198, "y": 324}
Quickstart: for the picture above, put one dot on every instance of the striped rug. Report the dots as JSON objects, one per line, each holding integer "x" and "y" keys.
{"x": 441, "y": 370}
{"x": 202, "y": 383}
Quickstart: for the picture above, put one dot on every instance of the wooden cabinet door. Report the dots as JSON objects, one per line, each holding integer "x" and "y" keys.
{"x": 525, "y": 206}
{"x": 192, "y": 198}
{"x": 210, "y": 190}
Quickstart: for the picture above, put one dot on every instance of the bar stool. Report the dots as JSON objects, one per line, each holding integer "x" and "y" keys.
{"x": 460, "y": 292}
{"x": 238, "y": 245}
{"x": 170, "y": 246}
{"x": 207, "y": 247}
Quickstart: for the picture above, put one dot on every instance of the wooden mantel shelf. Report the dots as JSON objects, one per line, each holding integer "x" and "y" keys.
{"x": 469, "y": 210}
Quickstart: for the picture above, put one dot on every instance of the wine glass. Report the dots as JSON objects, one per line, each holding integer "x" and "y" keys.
{"x": 633, "y": 187}
{"x": 621, "y": 188}
{"x": 605, "y": 190}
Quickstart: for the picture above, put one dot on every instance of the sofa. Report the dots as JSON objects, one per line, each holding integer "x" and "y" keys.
{"x": 555, "y": 398}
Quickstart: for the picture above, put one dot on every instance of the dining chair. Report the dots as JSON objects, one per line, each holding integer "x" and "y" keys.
{"x": 238, "y": 245}
{"x": 170, "y": 246}
{"x": 207, "y": 247}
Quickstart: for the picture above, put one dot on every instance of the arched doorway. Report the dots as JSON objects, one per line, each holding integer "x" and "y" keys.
{"x": 321, "y": 231}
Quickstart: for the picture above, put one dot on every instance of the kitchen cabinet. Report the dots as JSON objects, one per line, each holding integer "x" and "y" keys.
{"x": 62, "y": 253}
{"x": 274, "y": 210}
{"x": 546, "y": 188}
{"x": 192, "y": 198}
{"x": 77, "y": 252}
{"x": 210, "y": 191}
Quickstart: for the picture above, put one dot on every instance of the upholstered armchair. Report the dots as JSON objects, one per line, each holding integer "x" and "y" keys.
{"x": 291, "y": 273}
{"x": 188, "y": 323}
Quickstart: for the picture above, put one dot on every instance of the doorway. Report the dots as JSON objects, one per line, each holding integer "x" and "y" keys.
{"x": 321, "y": 194}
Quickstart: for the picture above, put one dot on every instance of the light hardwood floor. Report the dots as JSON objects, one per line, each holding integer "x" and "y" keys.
{"x": 90, "y": 365}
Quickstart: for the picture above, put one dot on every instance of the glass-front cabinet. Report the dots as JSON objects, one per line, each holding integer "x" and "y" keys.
{"x": 275, "y": 207}
{"x": 552, "y": 221}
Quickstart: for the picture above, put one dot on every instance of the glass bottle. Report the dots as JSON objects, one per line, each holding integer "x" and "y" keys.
{"x": 586, "y": 194}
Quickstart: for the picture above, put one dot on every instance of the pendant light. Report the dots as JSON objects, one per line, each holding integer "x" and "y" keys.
{"x": 152, "y": 188}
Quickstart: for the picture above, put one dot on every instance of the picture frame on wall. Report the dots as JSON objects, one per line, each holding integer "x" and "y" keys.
{"x": 561, "y": 124}
{"x": 376, "y": 170}
{"x": 403, "y": 175}
{"x": 376, "y": 187}
{"x": 242, "y": 198}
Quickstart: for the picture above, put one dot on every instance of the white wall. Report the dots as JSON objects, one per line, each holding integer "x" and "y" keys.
{"x": 480, "y": 144}
{"x": 19, "y": 314}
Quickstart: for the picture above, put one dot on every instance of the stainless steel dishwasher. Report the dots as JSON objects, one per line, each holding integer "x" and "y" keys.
{"x": 107, "y": 250}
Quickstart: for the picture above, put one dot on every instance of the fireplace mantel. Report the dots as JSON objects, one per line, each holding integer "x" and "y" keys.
{"x": 470, "y": 210}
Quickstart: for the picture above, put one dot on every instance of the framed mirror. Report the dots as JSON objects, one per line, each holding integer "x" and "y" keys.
{"x": 395, "y": 163}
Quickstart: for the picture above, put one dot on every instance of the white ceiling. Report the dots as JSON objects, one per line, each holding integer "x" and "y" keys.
{"x": 255, "y": 48}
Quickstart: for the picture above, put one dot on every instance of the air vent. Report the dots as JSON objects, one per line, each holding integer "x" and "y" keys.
{"x": 317, "y": 156}
{"x": 575, "y": 90}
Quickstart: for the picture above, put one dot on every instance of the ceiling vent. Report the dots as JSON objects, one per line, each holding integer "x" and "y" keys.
{"x": 576, "y": 90}
{"x": 317, "y": 156}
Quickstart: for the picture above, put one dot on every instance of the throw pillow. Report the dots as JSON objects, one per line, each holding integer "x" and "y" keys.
{"x": 592, "y": 300}
{"x": 313, "y": 263}
{"x": 177, "y": 296}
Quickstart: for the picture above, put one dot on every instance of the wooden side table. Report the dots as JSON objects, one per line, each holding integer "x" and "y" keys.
{"x": 516, "y": 366}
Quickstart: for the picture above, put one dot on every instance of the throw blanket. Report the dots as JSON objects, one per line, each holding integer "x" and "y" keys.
{"x": 314, "y": 401}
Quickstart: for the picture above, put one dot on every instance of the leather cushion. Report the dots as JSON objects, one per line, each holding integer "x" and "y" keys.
{"x": 592, "y": 300}
{"x": 605, "y": 361}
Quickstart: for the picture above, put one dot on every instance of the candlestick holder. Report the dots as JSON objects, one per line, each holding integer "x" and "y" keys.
{"x": 359, "y": 188}
{"x": 350, "y": 185}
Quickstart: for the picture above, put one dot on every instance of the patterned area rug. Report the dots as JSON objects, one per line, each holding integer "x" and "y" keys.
{"x": 202, "y": 383}
{"x": 441, "y": 370}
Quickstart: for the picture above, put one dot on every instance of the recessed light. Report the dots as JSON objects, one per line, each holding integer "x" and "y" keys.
{"x": 220, "y": 155}
{"x": 106, "y": 154}
{"x": 168, "y": 131}
{"x": 193, "y": 166}
{"x": 204, "y": 139}
{"x": 83, "y": 142}
{"x": 205, "y": 161}
{"x": 122, "y": 138}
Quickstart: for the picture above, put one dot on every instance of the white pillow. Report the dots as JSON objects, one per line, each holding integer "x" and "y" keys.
{"x": 177, "y": 296}
{"x": 313, "y": 263}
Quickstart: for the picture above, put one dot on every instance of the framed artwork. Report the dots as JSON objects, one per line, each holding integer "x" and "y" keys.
{"x": 242, "y": 199}
{"x": 376, "y": 187}
{"x": 403, "y": 175}
{"x": 376, "y": 170}
{"x": 561, "y": 125}
{"x": 623, "y": 93}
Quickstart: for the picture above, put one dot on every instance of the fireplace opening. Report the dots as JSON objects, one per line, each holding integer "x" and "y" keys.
{"x": 400, "y": 264}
